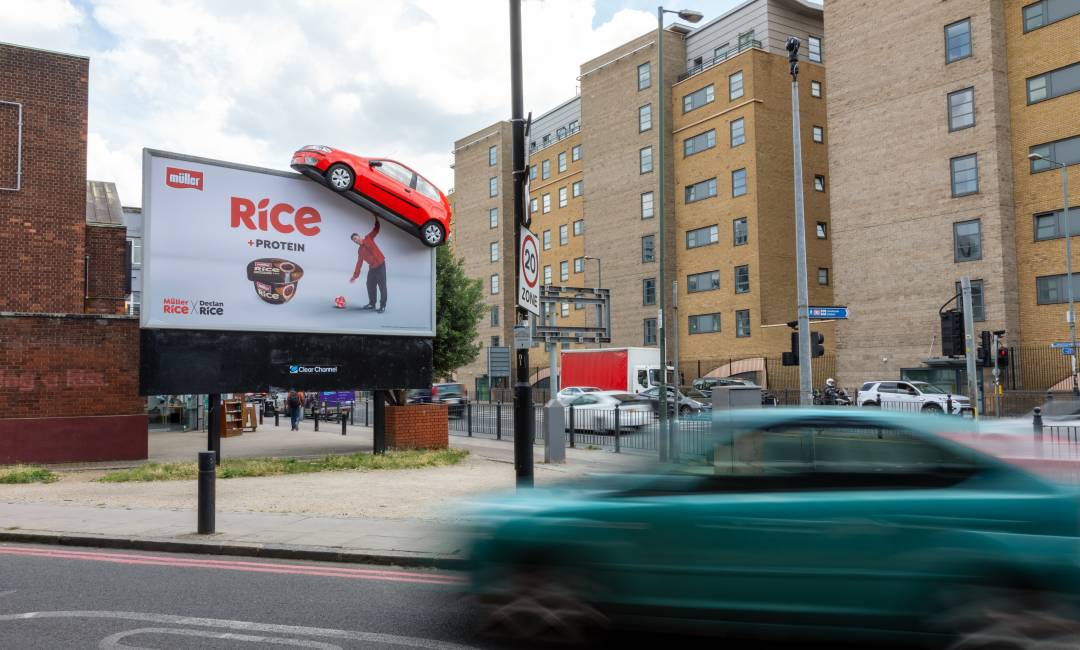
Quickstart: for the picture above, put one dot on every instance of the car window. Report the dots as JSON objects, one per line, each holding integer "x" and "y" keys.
{"x": 395, "y": 171}
{"x": 624, "y": 397}
{"x": 904, "y": 388}
{"x": 867, "y": 386}
{"x": 887, "y": 387}
{"x": 427, "y": 189}
{"x": 589, "y": 390}
{"x": 642, "y": 378}
{"x": 584, "y": 399}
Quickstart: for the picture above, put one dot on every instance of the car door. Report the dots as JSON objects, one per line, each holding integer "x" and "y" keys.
{"x": 393, "y": 185}
{"x": 908, "y": 397}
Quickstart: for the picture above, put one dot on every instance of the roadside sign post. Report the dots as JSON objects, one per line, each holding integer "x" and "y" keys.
{"x": 969, "y": 348}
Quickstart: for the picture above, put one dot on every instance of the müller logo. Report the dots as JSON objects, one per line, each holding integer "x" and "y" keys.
{"x": 183, "y": 178}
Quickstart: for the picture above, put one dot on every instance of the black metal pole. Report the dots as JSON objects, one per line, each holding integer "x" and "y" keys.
{"x": 523, "y": 420}
{"x": 276, "y": 422}
{"x": 207, "y": 476}
{"x": 343, "y": 423}
{"x": 378, "y": 435}
{"x": 315, "y": 416}
{"x": 213, "y": 427}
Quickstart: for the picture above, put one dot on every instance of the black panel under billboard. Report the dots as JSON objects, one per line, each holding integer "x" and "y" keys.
{"x": 204, "y": 361}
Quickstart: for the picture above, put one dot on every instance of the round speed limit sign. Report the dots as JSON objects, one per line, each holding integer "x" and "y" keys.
{"x": 529, "y": 273}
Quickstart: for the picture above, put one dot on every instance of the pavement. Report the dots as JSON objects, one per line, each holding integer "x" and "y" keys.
{"x": 399, "y": 517}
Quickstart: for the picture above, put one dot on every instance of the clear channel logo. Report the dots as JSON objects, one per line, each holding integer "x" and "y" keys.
{"x": 300, "y": 369}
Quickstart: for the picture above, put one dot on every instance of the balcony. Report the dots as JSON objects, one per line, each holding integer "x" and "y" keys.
{"x": 544, "y": 144}
{"x": 719, "y": 58}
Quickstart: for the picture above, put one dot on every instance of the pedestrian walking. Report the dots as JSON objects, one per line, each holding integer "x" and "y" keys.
{"x": 369, "y": 252}
{"x": 294, "y": 404}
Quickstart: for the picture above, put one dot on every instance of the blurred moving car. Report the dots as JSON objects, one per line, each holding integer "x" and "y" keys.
{"x": 596, "y": 411}
{"x": 911, "y": 396}
{"x": 450, "y": 393}
{"x": 687, "y": 405}
{"x": 566, "y": 395}
{"x": 866, "y": 524}
{"x": 388, "y": 183}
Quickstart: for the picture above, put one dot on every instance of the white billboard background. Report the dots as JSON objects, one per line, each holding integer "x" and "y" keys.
{"x": 193, "y": 257}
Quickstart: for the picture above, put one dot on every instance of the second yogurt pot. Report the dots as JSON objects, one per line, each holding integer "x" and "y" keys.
{"x": 275, "y": 279}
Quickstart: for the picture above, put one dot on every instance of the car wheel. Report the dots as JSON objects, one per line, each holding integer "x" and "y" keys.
{"x": 433, "y": 233}
{"x": 684, "y": 410}
{"x": 871, "y": 405}
{"x": 340, "y": 177}
{"x": 932, "y": 408}
{"x": 1017, "y": 619}
{"x": 538, "y": 603}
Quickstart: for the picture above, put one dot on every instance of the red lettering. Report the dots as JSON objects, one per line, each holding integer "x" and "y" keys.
{"x": 242, "y": 210}
{"x": 275, "y": 217}
{"x": 306, "y": 218}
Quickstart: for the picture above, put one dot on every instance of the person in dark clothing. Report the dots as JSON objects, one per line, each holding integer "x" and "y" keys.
{"x": 369, "y": 252}
{"x": 293, "y": 404}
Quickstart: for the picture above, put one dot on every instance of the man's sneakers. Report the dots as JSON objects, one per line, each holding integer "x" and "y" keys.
{"x": 370, "y": 305}
{"x": 380, "y": 310}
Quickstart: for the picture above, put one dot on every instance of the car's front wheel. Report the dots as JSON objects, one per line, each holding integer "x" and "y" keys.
{"x": 340, "y": 177}
{"x": 1017, "y": 619}
{"x": 684, "y": 410}
{"x": 871, "y": 405}
{"x": 540, "y": 603}
{"x": 932, "y": 408}
{"x": 433, "y": 233}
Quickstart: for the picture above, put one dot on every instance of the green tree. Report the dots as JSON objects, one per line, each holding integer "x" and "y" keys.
{"x": 459, "y": 306}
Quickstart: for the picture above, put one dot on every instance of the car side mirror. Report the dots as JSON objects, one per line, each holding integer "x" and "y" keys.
{"x": 375, "y": 163}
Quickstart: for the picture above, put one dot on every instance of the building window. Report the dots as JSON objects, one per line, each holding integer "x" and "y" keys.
{"x": 493, "y": 218}
{"x": 814, "y": 50}
{"x": 493, "y": 155}
{"x": 574, "y": 126}
{"x": 532, "y": 206}
{"x": 1053, "y": 289}
{"x": 560, "y": 133}
{"x": 546, "y": 201}
{"x": 647, "y": 205}
{"x": 136, "y": 252}
{"x": 1054, "y": 83}
{"x": 735, "y": 85}
{"x": 545, "y": 170}
{"x": 644, "y": 76}
{"x": 494, "y": 251}
{"x": 702, "y": 236}
{"x": 564, "y": 311}
{"x": 965, "y": 175}
{"x": 704, "y": 323}
{"x": 740, "y": 231}
{"x": 648, "y": 291}
{"x": 648, "y": 248}
{"x": 967, "y": 241}
{"x": 707, "y": 281}
{"x": 819, "y": 183}
{"x": 742, "y": 323}
{"x": 958, "y": 40}
{"x": 495, "y": 283}
{"x": 532, "y": 172}
{"x": 493, "y": 186}
{"x": 495, "y": 316}
{"x": 738, "y": 132}
{"x": 698, "y": 98}
{"x": 547, "y": 240}
{"x": 562, "y": 161}
{"x": 562, "y": 197}
{"x": 1051, "y": 225}
{"x": 961, "y": 109}
{"x": 1045, "y": 12}
{"x": 579, "y": 265}
{"x": 579, "y": 227}
{"x": 700, "y": 190}
{"x": 547, "y": 275}
{"x": 575, "y": 153}
{"x": 1066, "y": 152}
{"x": 649, "y": 331}
{"x": 822, "y": 230}
{"x": 564, "y": 235}
{"x": 577, "y": 189}
{"x": 644, "y": 118}
{"x": 645, "y": 160}
{"x": 742, "y": 279}
{"x": 495, "y": 341}
{"x": 699, "y": 143}
{"x": 978, "y": 306}
{"x": 134, "y": 303}
{"x": 738, "y": 182}
{"x": 815, "y": 89}
{"x": 818, "y": 134}
{"x": 564, "y": 271}
{"x": 823, "y": 276}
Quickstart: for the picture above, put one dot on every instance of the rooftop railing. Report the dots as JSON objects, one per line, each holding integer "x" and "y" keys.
{"x": 538, "y": 145}
{"x": 719, "y": 58}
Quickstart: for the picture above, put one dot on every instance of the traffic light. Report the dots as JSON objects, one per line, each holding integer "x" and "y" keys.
{"x": 1003, "y": 357}
{"x": 792, "y": 358}
{"x": 817, "y": 344}
{"x": 985, "y": 353}
{"x": 952, "y": 333}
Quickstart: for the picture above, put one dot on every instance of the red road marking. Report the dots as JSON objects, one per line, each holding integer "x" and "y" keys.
{"x": 253, "y": 567}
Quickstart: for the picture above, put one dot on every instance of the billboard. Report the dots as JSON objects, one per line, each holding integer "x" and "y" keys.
{"x": 238, "y": 248}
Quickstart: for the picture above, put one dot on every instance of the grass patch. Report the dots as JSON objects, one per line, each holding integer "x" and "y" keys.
{"x": 26, "y": 474}
{"x": 251, "y": 467}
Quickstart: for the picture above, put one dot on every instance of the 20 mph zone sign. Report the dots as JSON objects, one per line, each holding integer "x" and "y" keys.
{"x": 529, "y": 273}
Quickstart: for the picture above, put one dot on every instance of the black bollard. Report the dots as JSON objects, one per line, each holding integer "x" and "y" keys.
{"x": 342, "y": 424}
{"x": 207, "y": 475}
{"x": 315, "y": 417}
{"x": 276, "y": 423}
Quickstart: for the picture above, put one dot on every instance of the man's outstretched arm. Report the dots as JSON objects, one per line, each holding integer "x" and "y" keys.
{"x": 375, "y": 230}
{"x": 356, "y": 271}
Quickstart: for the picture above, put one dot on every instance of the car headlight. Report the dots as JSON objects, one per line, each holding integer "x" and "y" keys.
{"x": 308, "y": 160}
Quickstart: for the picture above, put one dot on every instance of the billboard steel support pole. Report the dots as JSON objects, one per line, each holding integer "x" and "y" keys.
{"x": 378, "y": 433}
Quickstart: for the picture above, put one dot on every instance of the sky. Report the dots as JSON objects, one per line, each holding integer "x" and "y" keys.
{"x": 250, "y": 81}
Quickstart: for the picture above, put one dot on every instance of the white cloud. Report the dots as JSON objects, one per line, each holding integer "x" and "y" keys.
{"x": 250, "y": 81}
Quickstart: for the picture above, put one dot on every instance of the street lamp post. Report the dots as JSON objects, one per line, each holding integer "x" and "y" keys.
{"x": 692, "y": 16}
{"x": 1068, "y": 260}
{"x": 599, "y": 285}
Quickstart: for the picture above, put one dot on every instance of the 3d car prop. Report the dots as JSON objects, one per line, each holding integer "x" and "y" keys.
{"x": 386, "y": 187}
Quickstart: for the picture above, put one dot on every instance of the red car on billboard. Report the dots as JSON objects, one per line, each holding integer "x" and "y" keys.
{"x": 422, "y": 208}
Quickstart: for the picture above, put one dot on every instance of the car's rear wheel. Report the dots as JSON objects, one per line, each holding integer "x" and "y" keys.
{"x": 433, "y": 233}
{"x": 340, "y": 177}
{"x": 539, "y": 603}
{"x": 1006, "y": 618}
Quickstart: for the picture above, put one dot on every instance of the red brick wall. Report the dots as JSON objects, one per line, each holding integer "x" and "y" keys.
{"x": 41, "y": 226}
{"x": 51, "y": 367}
{"x": 422, "y": 426}
{"x": 107, "y": 248}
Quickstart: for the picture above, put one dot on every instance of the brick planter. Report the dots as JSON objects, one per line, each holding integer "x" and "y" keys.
{"x": 417, "y": 426}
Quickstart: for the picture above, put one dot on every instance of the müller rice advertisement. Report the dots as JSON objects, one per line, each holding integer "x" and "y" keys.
{"x": 229, "y": 247}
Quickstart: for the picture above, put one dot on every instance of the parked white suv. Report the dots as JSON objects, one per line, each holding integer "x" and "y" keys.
{"x": 911, "y": 396}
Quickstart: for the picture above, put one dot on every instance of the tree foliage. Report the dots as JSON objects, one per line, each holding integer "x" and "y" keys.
{"x": 459, "y": 306}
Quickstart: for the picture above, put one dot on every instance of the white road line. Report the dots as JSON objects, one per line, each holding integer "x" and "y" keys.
{"x": 114, "y": 640}
{"x": 248, "y": 626}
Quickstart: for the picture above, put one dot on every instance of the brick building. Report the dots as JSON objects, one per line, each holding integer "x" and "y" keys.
{"x": 68, "y": 351}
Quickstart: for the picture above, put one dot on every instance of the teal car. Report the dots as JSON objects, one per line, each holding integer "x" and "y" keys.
{"x": 845, "y": 523}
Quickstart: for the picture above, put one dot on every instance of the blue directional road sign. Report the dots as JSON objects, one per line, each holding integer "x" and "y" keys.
{"x": 1067, "y": 351}
{"x": 1061, "y": 344}
{"x": 829, "y": 312}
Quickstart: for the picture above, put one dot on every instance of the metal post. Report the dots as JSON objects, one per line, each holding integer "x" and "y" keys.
{"x": 262, "y": 408}
{"x": 276, "y": 422}
{"x": 948, "y": 404}
{"x": 378, "y": 434}
{"x": 343, "y": 423}
{"x": 997, "y": 375}
{"x": 523, "y": 410}
{"x": 315, "y": 416}
{"x": 1068, "y": 273}
{"x": 468, "y": 416}
{"x": 806, "y": 382}
{"x": 213, "y": 427}
{"x": 498, "y": 421}
{"x": 618, "y": 428}
{"x": 352, "y": 414}
{"x": 207, "y": 475}
{"x": 969, "y": 347}
{"x": 1037, "y": 425}
{"x": 661, "y": 331}
{"x": 553, "y": 361}
{"x": 675, "y": 350}
{"x": 367, "y": 418}
{"x": 572, "y": 426}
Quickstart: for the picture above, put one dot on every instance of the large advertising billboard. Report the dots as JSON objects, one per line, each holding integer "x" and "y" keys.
{"x": 232, "y": 247}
